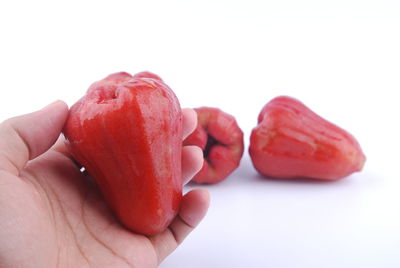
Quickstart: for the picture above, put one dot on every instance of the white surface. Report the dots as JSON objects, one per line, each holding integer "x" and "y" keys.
{"x": 341, "y": 58}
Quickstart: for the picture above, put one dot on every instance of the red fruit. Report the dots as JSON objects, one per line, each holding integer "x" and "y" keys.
{"x": 147, "y": 75}
{"x": 221, "y": 140}
{"x": 127, "y": 132}
{"x": 291, "y": 141}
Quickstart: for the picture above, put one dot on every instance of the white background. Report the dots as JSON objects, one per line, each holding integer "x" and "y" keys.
{"x": 341, "y": 58}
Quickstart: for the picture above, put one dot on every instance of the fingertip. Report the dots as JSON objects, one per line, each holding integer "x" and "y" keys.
{"x": 194, "y": 207}
{"x": 189, "y": 112}
{"x": 189, "y": 121}
{"x": 192, "y": 162}
{"x": 58, "y": 104}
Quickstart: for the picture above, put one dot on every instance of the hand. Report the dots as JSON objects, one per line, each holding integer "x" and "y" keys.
{"x": 52, "y": 214}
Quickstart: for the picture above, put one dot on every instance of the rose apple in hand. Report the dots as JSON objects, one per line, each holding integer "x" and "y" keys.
{"x": 221, "y": 140}
{"x": 291, "y": 141}
{"x": 127, "y": 133}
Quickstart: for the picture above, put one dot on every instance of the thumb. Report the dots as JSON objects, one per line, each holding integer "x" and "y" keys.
{"x": 25, "y": 137}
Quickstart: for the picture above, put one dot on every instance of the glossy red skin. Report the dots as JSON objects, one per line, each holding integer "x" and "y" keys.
{"x": 291, "y": 141}
{"x": 222, "y": 157}
{"x": 127, "y": 132}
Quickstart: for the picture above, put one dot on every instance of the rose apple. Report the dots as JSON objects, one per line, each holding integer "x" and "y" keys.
{"x": 126, "y": 131}
{"x": 221, "y": 140}
{"x": 292, "y": 141}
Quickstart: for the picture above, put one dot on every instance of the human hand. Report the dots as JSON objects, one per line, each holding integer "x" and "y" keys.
{"x": 53, "y": 215}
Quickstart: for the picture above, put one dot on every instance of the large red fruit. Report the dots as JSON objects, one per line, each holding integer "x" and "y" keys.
{"x": 291, "y": 141}
{"x": 127, "y": 132}
{"x": 221, "y": 140}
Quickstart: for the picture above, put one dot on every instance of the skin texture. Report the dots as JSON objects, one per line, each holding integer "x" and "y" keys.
{"x": 126, "y": 131}
{"x": 221, "y": 140}
{"x": 53, "y": 215}
{"x": 291, "y": 141}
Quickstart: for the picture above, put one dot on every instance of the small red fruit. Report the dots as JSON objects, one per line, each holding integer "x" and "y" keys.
{"x": 291, "y": 141}
{"x": 221, "y": 140}
{"x": 127, "y": 132}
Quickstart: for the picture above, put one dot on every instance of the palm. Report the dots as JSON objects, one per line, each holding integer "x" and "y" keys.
{"x": 76, "y": 225}
{"x": 56, "y": 217}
